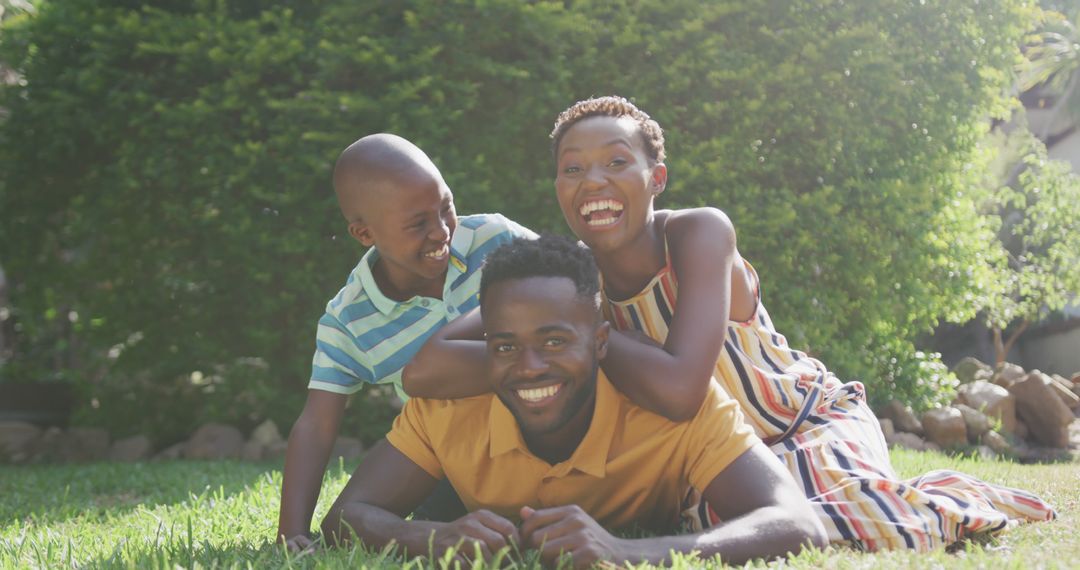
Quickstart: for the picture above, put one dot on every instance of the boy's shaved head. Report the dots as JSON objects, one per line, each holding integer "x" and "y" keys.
{"x": 375, "y": 164}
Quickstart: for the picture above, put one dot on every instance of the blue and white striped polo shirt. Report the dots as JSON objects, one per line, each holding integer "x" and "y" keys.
{"x": 366, "y": 337}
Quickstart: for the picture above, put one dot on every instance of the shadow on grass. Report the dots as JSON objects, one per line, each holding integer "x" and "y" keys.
{"x": 49, "y": 494}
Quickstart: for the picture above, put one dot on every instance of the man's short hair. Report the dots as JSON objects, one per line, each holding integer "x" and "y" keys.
{"x": 548, "y": 256}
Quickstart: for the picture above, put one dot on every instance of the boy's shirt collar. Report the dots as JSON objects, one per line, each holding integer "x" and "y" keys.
{"x": 459, "y": 249}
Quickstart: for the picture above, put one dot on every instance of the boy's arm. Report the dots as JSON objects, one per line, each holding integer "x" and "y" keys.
{"x": 451, "y": 364}
{"x": 764, "y": 515}
{"x": 310, "y": 443}
{"x": 672, "y": 379}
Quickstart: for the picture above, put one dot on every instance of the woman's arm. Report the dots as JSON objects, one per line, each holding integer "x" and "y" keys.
{"x": 452, "y": 363}
{"x": 672, "y": 380}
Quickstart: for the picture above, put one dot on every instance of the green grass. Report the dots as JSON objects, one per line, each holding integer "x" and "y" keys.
{"x": 223, "y": 514}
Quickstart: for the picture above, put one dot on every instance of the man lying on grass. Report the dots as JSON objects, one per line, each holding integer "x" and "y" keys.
{"x": 556, "y": 456}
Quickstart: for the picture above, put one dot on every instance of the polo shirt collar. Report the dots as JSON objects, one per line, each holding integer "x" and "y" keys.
{"x": 459, "y": 248}
{"x": 591, "y": 455}
{"x": 367, "y": 279}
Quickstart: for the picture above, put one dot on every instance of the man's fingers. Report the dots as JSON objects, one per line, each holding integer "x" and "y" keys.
{"x": 506, "y": 529}
{"x": 546, "y": 525}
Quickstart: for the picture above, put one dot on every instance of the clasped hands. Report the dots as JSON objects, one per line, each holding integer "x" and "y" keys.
{"x": 553, "y": 532}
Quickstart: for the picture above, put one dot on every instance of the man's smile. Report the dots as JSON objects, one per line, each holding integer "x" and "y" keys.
{"x": 538, "y": 396}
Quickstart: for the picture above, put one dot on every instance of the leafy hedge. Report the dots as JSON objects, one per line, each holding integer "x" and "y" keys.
{"x": 166, "y": 193}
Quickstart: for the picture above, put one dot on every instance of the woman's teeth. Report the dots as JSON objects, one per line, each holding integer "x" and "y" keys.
{"x": 601, "y": 212}
{"x": 537, "y": 394}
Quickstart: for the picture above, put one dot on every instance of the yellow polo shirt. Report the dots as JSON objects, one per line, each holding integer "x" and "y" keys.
{"x": 632, "y": 468}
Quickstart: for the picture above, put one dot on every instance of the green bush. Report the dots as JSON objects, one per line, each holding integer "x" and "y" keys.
{"x": 166, "y": 192}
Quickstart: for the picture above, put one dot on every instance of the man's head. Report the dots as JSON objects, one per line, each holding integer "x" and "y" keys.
{"x": 540, "y": 304}
{"x": 395, "y": 199}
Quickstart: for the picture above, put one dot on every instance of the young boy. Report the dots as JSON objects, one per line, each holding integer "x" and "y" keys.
{"x": 423, "y": 270}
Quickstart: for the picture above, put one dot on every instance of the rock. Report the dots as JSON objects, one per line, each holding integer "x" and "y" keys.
{"x": 1006, "y": 373}
{"x": 1064, "y": 389}
{"x": 17, "y": 440}
{"x": 347, "y": 448}
{"x": 945, "y": 427}
{"x": 74, "y": 445}
{"x": 887, "y": 429}
{"x": 130, "y": 449}
{"x": 971, "y": 369}
{"x": 48, "y": 446}
{"x": 908, "y": 441}
{"x": 992, "y": 400}
{"x": 252, "y": 451}
{"x": 977, "y": 423}
{"x": 1022, "y": 432}
{"x": 275, "y": 452}
{"x": 266, "y": 434}
{"x": 984, "y": 452}
{"x": 171, "y": 453}
{"x": 214, "y": 441}
{"x": 83, "y": 444}
{"x": 997, "y": 442}
{"x": 902, "y": 417}
{"x": 1044, "y": 413}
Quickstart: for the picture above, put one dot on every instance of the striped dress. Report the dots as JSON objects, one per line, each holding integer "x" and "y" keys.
{"x": 825, "y": 434}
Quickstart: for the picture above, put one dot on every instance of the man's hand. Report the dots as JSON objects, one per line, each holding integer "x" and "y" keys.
{"x": 298, "y": 543}
{"x": 569, "y": 530}
{"x": 484, "y": 529}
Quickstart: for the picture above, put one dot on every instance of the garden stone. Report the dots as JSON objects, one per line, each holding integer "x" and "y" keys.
{"x": 971, "y": 369}
{"x": 347, "y": 448}
{"x": 215, "y": 441}
{"x": 945, "y": 427}
{"x": 985, "y": 452}
{"x": 908, "y": 440}
{"x": 977, "y": 423}
{"x": 266, "y": 434}
{"x": 1006, "y": 373}
{"x": 1044, "y": 413}
{"x": 16, "y": 440}
{"x": 130, "y": 449}
{"x": 997, "y": 442}
{"x": 275, "y": 452}
{"x": 1022, "y": 432}
{"x": 887, "y": 429}
{"x": 1063, "y": 389}
{"x": 171, "y": 453}
{"x": 84, "y": 444}
{"x": 992, "y": 400}
{"x": 902, "y": 417}
{"x": 47, "y": 447}
{"x": 252, "y": 451}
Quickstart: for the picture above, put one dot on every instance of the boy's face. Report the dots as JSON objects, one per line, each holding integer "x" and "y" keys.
{"x": 544, "y": 345}
{"x": 410, "y": 225}
{"x": 606, "y": 182}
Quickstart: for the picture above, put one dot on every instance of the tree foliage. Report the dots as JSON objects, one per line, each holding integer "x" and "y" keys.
{"x": 1035, "y": 204}
{"x": 166, "y": 167}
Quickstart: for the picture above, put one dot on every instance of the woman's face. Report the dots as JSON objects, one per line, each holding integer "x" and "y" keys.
{"x": 606, "y": 181}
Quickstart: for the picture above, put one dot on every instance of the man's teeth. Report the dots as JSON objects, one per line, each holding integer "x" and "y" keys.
{"x": 537, "y": 394}
{"x": 594, "y": 205}
{"x": 438, "y": 252}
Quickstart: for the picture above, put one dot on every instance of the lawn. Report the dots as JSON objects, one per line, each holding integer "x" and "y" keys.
{"x": 222, "y": 514}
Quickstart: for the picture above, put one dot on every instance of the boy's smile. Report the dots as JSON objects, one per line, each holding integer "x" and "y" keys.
{"x": 411, "y": 222}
